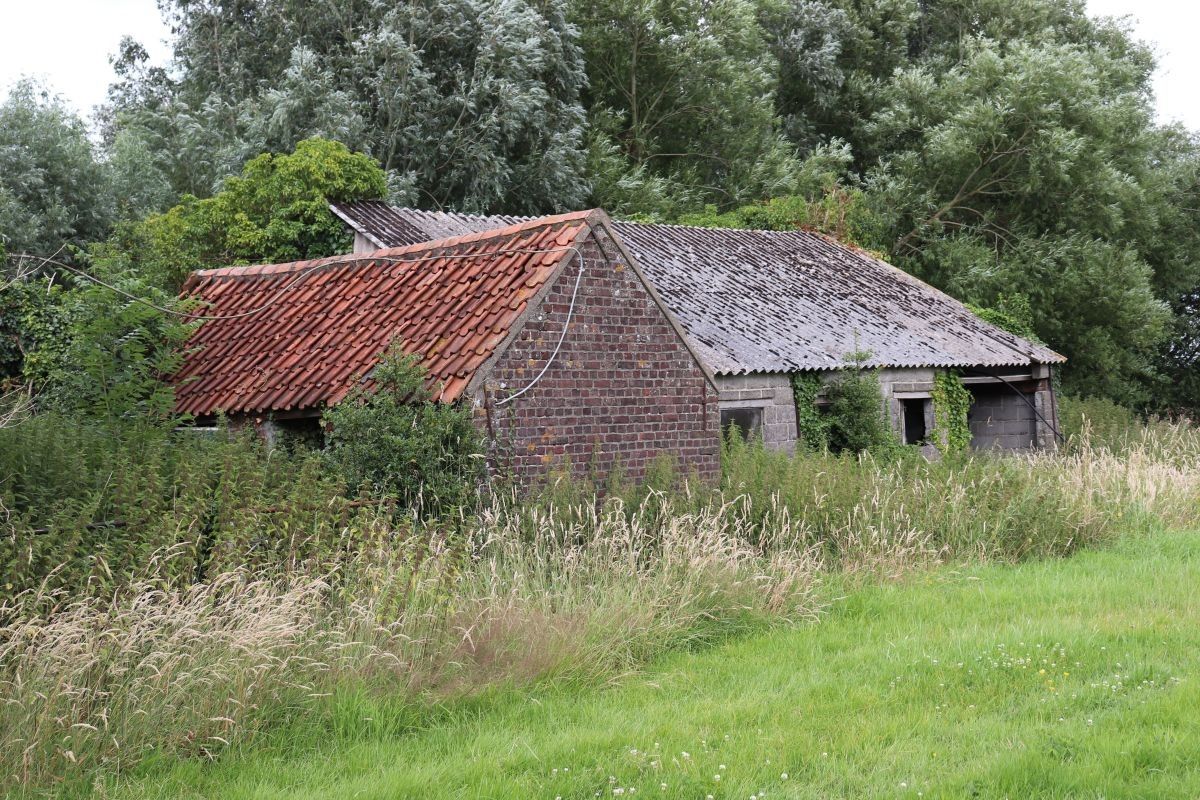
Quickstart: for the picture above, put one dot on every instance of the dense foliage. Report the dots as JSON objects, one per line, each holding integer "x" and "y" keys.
{"x": 468, "y": 103}
{"x": 390, "y": 437}
{"x": 277, "y": 210}
{"x": 857, "y": 418}
{"x": 995, "y": 149}
{"x": 89, "y": 501}
{"x": 53, "y": 192}
{"x": 812, "y": 427}
{"x": 85, "y": 348}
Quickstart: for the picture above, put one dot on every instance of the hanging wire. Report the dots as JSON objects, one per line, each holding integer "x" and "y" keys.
{"x": 561, "y": 338}
{"x": 296, "y": 279}
{"x": 304, "y": 273}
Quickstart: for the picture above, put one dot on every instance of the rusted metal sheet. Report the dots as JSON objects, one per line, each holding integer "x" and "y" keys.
{"x": 769, "y": 301}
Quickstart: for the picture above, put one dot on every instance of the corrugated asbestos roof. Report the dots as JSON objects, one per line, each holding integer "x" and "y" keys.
{"x": 769, "y": 301}
{"x": 454, "y": 301}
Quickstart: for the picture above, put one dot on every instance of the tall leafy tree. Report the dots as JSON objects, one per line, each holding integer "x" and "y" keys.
{"x": 1011, "y": 146}
{"x": 1032, "y": 167}
{"x": 993, "y": 147}
{"x": 682, "y": 92}
{"x": 53, "y": 190}
{"x": 277, "y": 210}
{"x": 473, "y": 104}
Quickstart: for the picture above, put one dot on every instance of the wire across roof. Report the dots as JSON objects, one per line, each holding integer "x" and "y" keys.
{"x": 302, "y": 335}
{"x": 768, "y": 301}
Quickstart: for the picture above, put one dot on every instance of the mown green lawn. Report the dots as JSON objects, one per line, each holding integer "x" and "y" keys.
{"x": 1076, "y": 678}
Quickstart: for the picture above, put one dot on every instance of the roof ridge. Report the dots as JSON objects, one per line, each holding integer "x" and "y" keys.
{"x": 678, "y": 225}
{"x": 681, "y": 226}
{"x": 290, "y": 267}
{"x": 931, "y": 323}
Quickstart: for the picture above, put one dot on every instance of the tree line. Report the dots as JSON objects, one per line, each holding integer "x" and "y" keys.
{"x": 1004, "y": 150}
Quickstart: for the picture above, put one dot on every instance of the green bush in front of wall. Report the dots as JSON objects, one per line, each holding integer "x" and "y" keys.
{"x": 951, "y": 403}
{"x": 811, "y": 425}
{"x": 856, "y": 420}
{"x": 391, "y": 436}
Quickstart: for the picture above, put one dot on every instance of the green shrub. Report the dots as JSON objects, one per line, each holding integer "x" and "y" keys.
{"x": 276, "y": 210}
{"x": 1102, "y": 421}
{"x": 88, "y": 350}
{"x": 857, "y": 420}
{"x": 389, "y": 435}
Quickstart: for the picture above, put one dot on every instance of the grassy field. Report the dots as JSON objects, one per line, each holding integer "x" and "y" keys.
{"x": 1063, "y": 678}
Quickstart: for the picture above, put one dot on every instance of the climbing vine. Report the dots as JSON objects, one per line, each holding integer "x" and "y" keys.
{"x": 810, "y": 425}
{"x": 951, "y": 402}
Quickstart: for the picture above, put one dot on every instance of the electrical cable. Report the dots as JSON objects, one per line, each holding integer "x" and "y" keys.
{"x": 304, "y": 273}
{"x": 561, "y": 337}
{"x": 1038, "y": 414}
{"x": 363, "y": 259}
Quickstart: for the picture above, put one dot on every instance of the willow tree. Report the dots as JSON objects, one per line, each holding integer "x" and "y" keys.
{"x": 473, "y": 104}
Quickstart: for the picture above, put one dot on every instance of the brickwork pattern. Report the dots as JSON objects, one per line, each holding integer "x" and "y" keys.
{"x": 622, "y": 390}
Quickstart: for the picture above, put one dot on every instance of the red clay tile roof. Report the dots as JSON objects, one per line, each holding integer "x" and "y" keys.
{"x": 309, "y": 330}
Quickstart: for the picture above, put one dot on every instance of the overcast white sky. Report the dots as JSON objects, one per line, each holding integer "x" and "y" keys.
{"x": 67, "y": 43}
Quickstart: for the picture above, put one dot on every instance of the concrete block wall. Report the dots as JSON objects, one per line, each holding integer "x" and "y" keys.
{"x": 771, "y": 392}
{"x": 897, "y": 383}
{"x": 623, "y": 389}
{"x": 1000, "y": 419}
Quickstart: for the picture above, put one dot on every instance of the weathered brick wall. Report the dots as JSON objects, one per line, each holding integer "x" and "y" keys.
{"x": 622, "y": 389}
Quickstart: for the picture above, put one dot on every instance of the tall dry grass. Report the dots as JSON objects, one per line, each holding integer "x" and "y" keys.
{"x": 167, "y": 660}
{"x": 101, "y": 681}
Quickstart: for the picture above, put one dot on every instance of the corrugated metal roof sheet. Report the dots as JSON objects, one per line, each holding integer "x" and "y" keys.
{"x": 769, "y": 301}
{"x": 453, "y": 301}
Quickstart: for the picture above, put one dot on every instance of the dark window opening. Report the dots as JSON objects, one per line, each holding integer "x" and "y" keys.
{"x": 914, "y": 420}
{"x": 747, "y": 421}
{"x": 298, "y": 435}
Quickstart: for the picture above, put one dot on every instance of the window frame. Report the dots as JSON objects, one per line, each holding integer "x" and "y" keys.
{"x": 755, "y": 430}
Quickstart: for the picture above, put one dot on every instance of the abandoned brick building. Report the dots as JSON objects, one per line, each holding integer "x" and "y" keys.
{"x": 546, "y": 327}
{"x": 758, "y": 307}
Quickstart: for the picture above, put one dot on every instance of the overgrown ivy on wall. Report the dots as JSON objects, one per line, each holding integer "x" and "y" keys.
{"x": 812, "y": 428}
{"x": 951, "y": 402}
{"x": 855, "y": 420}
{"x": 852, "y": 416}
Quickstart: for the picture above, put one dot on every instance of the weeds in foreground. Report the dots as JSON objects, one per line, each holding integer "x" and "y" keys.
{"x": 162, "y": 657}
{"x": 102, "y": 681}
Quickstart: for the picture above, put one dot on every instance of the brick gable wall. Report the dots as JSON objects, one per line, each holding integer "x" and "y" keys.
{"x": 622, "y": 390}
